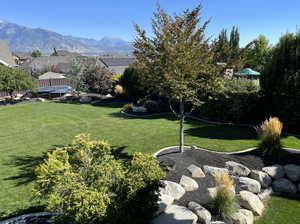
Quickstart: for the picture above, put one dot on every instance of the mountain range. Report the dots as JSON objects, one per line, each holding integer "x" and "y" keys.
{"x": 25, "y": 39}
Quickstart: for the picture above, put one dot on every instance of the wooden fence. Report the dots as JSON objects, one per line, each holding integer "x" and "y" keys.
{"x": 43, "y": 83}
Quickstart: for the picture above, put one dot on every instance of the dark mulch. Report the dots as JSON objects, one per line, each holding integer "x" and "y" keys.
{"x": 198, "y": 157}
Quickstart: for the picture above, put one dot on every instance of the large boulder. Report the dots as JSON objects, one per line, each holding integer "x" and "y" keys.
{"x": 249, "y": 184}
{"x": 189, "y": 184}
{"x": 263, "y": 178}
{"x": 196, "y": 171}
{"x": 172, "y": 189}
{"x": 163, "y": 202}
{"x": 275, "y": 171}
{"x": 211, "y": 170}
{"x": 203, "y": 214}
{"x": 252, "y": 202}
{"x": 243, "y": 216}
{"x": 266, "y": 193}
{"x": 283, "y": 185}
{"x": 237, "y": 169}
{"x": 175, "y": 214}
{"x": 293, "y": 172}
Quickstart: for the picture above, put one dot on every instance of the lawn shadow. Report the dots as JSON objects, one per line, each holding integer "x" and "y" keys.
{"x": 118, "y": 153}
{"x": 26, "y": 165}
{"x": 225, "y": 132}
{"x": 168, "y": 116}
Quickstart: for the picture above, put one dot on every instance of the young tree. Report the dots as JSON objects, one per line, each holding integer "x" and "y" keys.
{"x": 36, "y": 53}
{"x": 221, "y": 47}
{"x": 257, "y": 54}
{"x": 99, "y": 79}
{"x": 15, "y": 79}
{"x": 177, "y": 61}
{"x": 77, "y": 75}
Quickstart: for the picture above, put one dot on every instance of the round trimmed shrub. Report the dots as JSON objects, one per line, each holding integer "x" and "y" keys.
{"x": 86, "y": 183}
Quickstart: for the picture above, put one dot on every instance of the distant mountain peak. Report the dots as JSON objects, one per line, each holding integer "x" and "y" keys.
{"x": 25, "y": 39}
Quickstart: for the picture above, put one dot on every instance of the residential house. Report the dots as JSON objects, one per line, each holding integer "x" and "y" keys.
{"x": 117, "y": 64}
{"x": 6, "y": 57}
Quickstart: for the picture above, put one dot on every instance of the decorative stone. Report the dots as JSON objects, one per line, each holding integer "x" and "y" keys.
{"x": 275, "y": 171}
{"x": 266, "y": 193}
{"x": 263, "y": 178}
{"x": 203, "y": 214}
{"x": 252, "y": 202}
{"x": 243, "y": 216}
{"x": 212, "y": 192}
{"x": 85, "y": 99}
{"x": 249, "y": 184}
{"x": 188, "y": 183}
{"x": 283, "y": 185}
{"x": 139, "y": 109}
{"x": 40, "y": 100}
{"x": 196, "y": 171}
{"x": 172, "y": 189}
{"x": 175, "y": 214}
{"x": 163, "y": 202}
{"x": 293, "y": 172}
{"x": 237, "y": 169}
{"x": 210, "y": 170}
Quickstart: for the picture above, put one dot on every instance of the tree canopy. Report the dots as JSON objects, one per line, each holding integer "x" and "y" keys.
{"x": 15, "y": 79}
{"x": 177, "y": 61}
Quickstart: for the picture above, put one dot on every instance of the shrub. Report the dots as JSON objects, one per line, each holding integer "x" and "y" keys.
{"x": 152, "y": 106}
{"x": 99, "y": 79}
{"x": 127, "y": 107}
{"x": 117, "y": 76}
{"x": 132, "y": 84}
{"x": 87, "y": 184}
{"x": 224, "y": 203}
{"x": 269, "y": 133}
{"x": 119, "y": 90}
{"x": 240, "y": 85}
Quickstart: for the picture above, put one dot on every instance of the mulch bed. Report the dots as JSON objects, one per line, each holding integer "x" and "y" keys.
{"x": 253, "y": 160}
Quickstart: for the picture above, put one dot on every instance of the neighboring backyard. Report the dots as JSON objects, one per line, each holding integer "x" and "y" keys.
{"x": 30, "y": 130}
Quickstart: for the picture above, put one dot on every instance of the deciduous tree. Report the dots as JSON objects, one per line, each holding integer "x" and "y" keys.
{"x": 176, "y": 61}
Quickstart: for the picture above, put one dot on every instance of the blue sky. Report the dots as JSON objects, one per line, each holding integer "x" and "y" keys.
{"x": 115, "y": 18}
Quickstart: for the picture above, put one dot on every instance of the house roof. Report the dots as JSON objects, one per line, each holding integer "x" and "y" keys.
{"x": 247, "y": 71}
{"x": 51, "y": 75}
{"x": 6, "y": 57}
{"x": 62, "y": 64}
{"x": 117, "y": 64}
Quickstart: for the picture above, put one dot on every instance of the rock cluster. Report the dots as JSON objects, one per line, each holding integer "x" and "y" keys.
{"x": 252, "y": 187}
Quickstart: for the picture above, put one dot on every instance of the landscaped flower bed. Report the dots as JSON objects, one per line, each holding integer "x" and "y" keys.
{"x": 190, "y": 182}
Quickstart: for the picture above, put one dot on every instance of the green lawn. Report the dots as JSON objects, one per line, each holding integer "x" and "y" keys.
{"x": 28, "y": 131}
{"x": 281, "y": 211}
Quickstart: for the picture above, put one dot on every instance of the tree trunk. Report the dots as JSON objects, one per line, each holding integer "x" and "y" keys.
{"x": 181, "y": 128}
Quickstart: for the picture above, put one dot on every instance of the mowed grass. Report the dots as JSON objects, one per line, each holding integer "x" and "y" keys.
{"x": 281, "y": 211}
{"x": 28, "y": 131}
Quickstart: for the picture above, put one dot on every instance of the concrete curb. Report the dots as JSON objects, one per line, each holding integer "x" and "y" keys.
{"x": 222, "y": 153}
{"x": 206, "y": 150}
